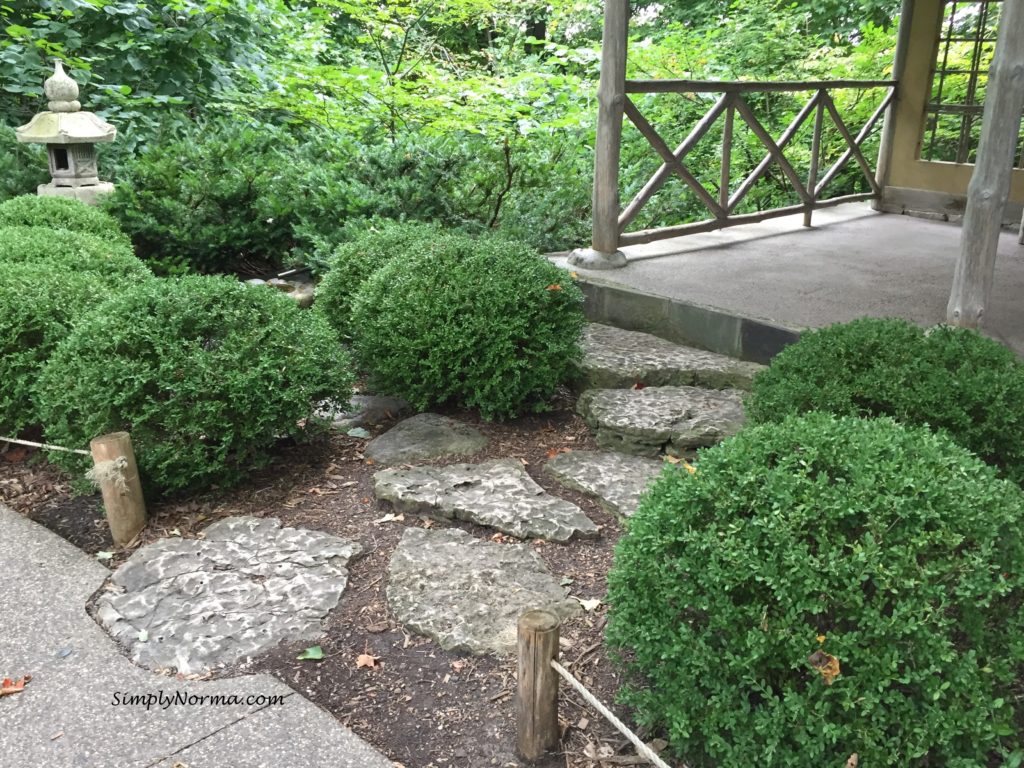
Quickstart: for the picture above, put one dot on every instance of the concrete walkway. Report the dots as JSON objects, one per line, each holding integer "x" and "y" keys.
{"x": 69, "y": 715}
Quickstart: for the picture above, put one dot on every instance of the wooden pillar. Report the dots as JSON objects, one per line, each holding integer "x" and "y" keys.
{"x": 899, "y": 65}
{"x": 537, "y": 701}
{"x": 604, "y": 252}
{"x": 118, "y": 477}
{"x": 990, "y": 183}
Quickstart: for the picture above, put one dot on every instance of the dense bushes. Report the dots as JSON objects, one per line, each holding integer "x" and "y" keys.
{"x": 889, "y": 548}
{"x": 949, "y": 378}
{"x": 111, "y": 260}
{"x": 60, "y": 213}
{"x": 482, "y": 323}
{"x": 205, "y": 373}
{"x": 38, "y": 306}
{"x": 22, "y": 166}
{"x": 353, "y": 262}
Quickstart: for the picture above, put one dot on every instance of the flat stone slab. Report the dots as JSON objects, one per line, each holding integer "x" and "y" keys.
{"x": 424, "y": 436}
{"x": 616, "y": 480}
{"x": 649, "y": 421}
{"x": 367, "y": 411}
{"x": 617, "y": 359}
{"x": 498, "y": 494}
{"x": 190, "y": 605}
{"x": 467, "y": 594}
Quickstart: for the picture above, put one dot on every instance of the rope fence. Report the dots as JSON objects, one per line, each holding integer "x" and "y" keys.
{"x": 44, "y": 446}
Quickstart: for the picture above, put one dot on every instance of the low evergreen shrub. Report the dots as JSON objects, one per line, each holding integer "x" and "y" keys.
{"x": 60, "y": 213}
{"x": 822, "y": 587}
{"x": 482, "y": 323}
{"x": 205, "y": 373}
{"x": 22, "y": 166}
{"x": 951, "y": 379}
{"x": 111, "y": 260}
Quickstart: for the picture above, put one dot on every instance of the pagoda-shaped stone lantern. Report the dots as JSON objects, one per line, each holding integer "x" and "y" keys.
{"x": 70, "y": 136}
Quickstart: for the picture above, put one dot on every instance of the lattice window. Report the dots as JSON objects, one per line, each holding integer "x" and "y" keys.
{"x": 967, "y": 41}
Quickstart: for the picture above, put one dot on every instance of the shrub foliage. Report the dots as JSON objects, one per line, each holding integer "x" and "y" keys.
{"x": 60, "y": 213}
{"x": 482, "y": 323}
{"x": 112, "y": 261}
{"x": 205, "y": 373}
{"x": 952, "y": 379}
{"x": 890, "y": 549}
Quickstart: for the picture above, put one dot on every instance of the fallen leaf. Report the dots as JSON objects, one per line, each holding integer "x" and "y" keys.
{"x": 639, "y": 385}
{"x": 9, "y": 687}
{"x": 366, "y": 660}
{"x": 104, "y": 555}
{"x": 553, "y": 287}
{"x": 589, "y": 605}
{"x": 358, "y": 432}
{"x": 853, "y": 760}
{"x": 391, "y": 517}
{"x": 15, "y": 455}
{"x": 313, "y": 653}
{"x": 574, "y": 275}
{"x": 826, "y": 664}
{"x": 583, "y": 723}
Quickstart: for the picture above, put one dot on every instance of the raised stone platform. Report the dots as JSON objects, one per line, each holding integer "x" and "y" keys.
{"x": 616, "y": 480}
{"x": 498, "y": 494}
{"x": 647, "y": 422}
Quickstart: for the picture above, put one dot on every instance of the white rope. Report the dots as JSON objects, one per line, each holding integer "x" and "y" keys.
{"x": 45, "y": 446}
{"x": 109, "y": 472}
{"x": 642, "y": 749}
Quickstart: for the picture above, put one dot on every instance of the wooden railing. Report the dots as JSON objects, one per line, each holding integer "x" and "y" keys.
{"x": 734, "y": 102}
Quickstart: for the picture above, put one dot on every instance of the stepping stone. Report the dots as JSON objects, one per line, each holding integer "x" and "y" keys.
{"x": 467, "y": 594}
{"x": 498, "y": 494}
{"x": 616, "y": 480}
{"x": 618, "y": 359}
{"x": 189, "y": 605}
{"x": 367, "y": 411}
{"x": 422, "y": 437}
{"x": 646, "y": 422}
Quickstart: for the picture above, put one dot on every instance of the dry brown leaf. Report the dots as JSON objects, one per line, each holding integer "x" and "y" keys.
{"x": 366, "y": 660}
{"x": 826, "y": 664}
{"x": 853, "y": 760}
{"x": 9, "y": 687}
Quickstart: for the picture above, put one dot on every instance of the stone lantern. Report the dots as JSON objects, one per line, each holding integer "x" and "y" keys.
{"x": 70, "y": 136}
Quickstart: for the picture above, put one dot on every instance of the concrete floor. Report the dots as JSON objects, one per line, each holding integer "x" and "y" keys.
{"x": 853, "y": 262}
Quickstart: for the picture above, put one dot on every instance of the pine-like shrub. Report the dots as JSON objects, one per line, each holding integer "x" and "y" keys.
{"x": 951, "y": 379}
{"x": 205, "y": 373}
{"x": 482, "y": 323}
{"x": 60, "y": 213}
{"x": 816, "y": 546}
{"x": 39, "y": 304}
{"x": 353, "y": 262}
{"x": 71, "y": 251}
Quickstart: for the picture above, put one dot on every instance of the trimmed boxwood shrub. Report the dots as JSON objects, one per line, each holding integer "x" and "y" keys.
{"x": 60, "y": 213}
{"x": 353, "y": 262}
{"x": 38, "y": 307}
{"x": 482, "y": 323}
{"x": 71, "y": 251}
{"x": 951, "y": 379}
{"x": 889, "y": 548}
{"x": 205, "y": 373}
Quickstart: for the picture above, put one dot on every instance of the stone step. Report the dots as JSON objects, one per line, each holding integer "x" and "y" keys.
{"x": 467, "y": 594}
{"x": 498, "y": 494}
{"x": 655, "y": 420}
{"x": 617, "y": 359}
{"x": 616, "y": 480}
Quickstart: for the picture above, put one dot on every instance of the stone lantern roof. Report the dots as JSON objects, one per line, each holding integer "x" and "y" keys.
{"x": 64, "y": 123}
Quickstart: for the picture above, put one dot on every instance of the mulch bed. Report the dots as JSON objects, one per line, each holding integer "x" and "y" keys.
{"x": 421, "y": 706}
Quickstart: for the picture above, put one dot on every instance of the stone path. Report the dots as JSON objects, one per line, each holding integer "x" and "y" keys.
{"x": 190, "y": 605}
{"x": 616, "y": 480}
{"x": 467, "y": 594}
{"x": 423, "y": 437}
{"x": 646, "y": 422}
{"x": 498, "y": 494}
{"x": 617, "y": 359}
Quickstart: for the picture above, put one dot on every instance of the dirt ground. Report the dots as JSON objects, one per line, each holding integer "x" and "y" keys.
{"x": 421, "y": 706}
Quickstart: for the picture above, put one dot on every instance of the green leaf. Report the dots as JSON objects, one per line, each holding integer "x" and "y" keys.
{"x": 313, "y": 653}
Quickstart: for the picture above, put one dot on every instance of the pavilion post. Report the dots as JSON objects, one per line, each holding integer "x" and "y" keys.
{"x": 899, "y": 66}
{"x": 604, "y": 252}
{"x": 990, "y": 183}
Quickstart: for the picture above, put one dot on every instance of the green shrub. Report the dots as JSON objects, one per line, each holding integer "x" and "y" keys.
{"x": 38, "y": 307}
{"x": 482, "y": 323}
{"x": 949, "y": 378}
{"x": 23, "y": 167}
{"x": 353, "y": 262}
{"x": 205, "y": 373}
{"x": 888, "y": 547}
{"x": 72, "y": 251}
{"x": 60, "y": 213}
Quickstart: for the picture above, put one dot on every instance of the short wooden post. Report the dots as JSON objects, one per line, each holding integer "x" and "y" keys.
{"x": 118, "y": 478}
{"x": 537, "y": 703}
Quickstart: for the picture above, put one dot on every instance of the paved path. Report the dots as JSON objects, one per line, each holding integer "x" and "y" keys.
{"x": 66, "y": 716}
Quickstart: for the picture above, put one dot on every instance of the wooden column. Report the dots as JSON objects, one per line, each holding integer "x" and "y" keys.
{"x": 604, "y": 252}
{"x": 990, "y": 183}
{"x": 899, "y": 64}
{"x": 118, "y": 478}
{"x": 537, "y": 702}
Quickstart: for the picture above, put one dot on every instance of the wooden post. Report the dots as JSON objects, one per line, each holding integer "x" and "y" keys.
{"x": 812, "y": 174}
{"x": 118, "y": 478}
{"x": 604, "y": 252}
{"x": 990, "y": 183}
{"x": 537, "y": 702}
{"x": 899, "y": 65}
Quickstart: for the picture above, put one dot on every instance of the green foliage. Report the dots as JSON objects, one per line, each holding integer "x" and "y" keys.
{"x": 59, "y": 213}
{"x": 22, "y": 166}
{"x": 206, "y": 374}
{"x": 482, "y": 323}
{"x": 951, "y": 379}
{"x": 39, "y": 304}
{"x": 111, "y": 260}
{"x": 353, "y": 262}
{"x": 898, "y": 547}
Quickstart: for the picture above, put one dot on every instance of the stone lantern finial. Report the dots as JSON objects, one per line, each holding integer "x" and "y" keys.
{"x": 61, "y": 90}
